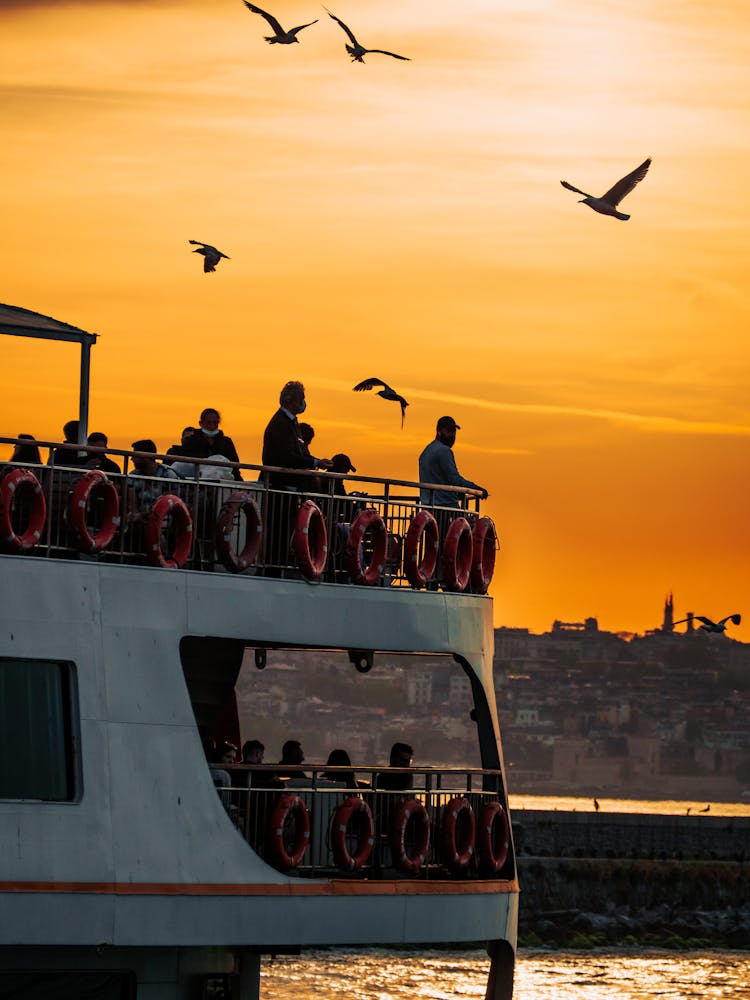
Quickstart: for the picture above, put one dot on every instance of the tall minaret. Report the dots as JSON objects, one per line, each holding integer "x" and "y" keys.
{"x": 668, "y": 623}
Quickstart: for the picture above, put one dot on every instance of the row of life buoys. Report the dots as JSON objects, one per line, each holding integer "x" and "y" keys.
{"x": 352, "y": 834}
{"x": 92, "y": 485}
{"x": 468, "y": 553}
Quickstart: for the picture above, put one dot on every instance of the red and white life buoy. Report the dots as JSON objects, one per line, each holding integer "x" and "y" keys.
{"x": 484, "y": 539}
{"x": 289, "y": 808}
{"x": 161, "y": 509}
{"x": 410, "y": 822}
{"x": 418, "y": 571}
{"x": 493, "y": 837}
{"x": 457, "y": 834}
{"x": 352, "y": 808}
{"x": 14, "y": 484}
{"x": 371, "y": 520}
{"x": 238, "y": 503}
{"x": 457, "y": 553}
{"x": 93, "y": 485}
{"x": 310, "y": 540}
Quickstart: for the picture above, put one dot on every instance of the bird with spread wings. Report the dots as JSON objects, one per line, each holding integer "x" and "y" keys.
{"x": 386, "y": 392}
{"x": 279, "y": 37}
{"x": 711, "y": 626}
{"x": 211, "y": 256}
{"x": 607, "y": 204}
{"x": 357, "y": 51}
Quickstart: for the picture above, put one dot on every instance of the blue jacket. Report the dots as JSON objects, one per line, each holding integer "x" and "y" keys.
{"x": 437, "y": 465}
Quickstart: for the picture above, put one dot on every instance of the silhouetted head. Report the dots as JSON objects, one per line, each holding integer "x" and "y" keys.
{"x": 252, "y": 752}
{"x": 291, "y": 752}
{"x": 342, "y": 463}
{"x": 209, "y": 421}
{"x": 401, "y": 755}
{"x": 306, "y": 432}
{"x": 446, "y": 430}
{"x": 292, "y": 396}
{"x": 26, "y": 452}
{"x": 70, "y": 430}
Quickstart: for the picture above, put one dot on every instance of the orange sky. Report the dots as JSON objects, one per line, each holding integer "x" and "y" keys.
{"x": 405, "y": 220}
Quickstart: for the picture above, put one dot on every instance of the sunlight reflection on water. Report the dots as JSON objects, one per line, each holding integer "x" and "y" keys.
{"x": 380, "y": 974}
{"x": 662, "y": 807}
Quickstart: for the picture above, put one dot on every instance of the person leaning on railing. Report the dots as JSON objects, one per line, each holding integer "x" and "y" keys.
{"x": 150, "y": 480}
{"x": 207, "y": 441}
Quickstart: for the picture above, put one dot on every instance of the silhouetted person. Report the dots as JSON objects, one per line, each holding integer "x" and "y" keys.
{"x": 340, "y": 758}
{"x": 283, "y": 448}
{"x": 26, "y": 454}
{"x": 401, "y": 756}
{"x": 291, "y": 754}
{"x": 99, "y": 460}
{"x": 437, "y": 465}
{"x": 175, "y": 451}
{"x": 208, "y": 441}
{"x": 68, "y": 456}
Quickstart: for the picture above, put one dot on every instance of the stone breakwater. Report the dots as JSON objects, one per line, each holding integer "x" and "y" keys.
{"x": 596, "y": 879}
{"x": 539, "y": 833}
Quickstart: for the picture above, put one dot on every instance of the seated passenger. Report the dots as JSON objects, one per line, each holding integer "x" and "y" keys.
{"x": 99, "y": 460}
{"x": 252, "y": 753}
{"x": 292, "y": 754}
{"x": 25, "y": 454}
{"x": 401, "y": 756}
{"x": 174, "y": 451}
{"x": 340, "y": 758}
{"x": 148, "y": 482}
{"x": 68, "y": 456}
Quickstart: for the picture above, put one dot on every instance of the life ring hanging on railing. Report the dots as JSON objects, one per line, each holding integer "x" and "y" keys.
{"x": 93, "y": 485}
{"x": 310, "y": 540}
{"x": 13, "y": 484}
{"x": 353, "y": 807}
{"x": 418, "y": 572}
{"x": 410, "y": 813}
{"x": 493, "y": 837}
{"x": 238, "y": 503}
{"x": 164, "y": 506}
{"x": 457, "y": 834}
{"x": 368, "y": 519}
{"x": 288, "y": 806}
{"x": 484, "y": 544}
{"x": 457, "y": 555}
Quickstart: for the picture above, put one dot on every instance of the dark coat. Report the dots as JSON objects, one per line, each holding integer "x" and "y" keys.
{"x": 283, "y": 448}
{"x": 200, "y": 446}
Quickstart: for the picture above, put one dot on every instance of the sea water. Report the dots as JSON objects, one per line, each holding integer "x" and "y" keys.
{"x": 384, "y": 974}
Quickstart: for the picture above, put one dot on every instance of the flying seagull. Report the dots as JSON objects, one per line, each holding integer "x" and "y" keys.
{"x": 211, "y": 256}
{"x": 280, "y": 37}
{"x": 709, "y": 626}
{"x": 607, "y": 204}
{"x": 357, "y": 51}
{"x": 386, "y": 392}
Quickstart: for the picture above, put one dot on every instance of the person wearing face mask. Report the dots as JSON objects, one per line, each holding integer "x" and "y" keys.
{"x": 283, "y": 448}
{"x": 208, "y": 441}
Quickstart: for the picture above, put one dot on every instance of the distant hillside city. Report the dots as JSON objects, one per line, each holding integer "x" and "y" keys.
{"x": 582, "y": 711}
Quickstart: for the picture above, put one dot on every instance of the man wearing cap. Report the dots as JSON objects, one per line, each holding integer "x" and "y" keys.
{"x": 437, "y": 465}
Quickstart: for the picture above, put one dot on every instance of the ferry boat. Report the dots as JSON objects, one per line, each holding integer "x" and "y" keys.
{"x": 124, "y": 871}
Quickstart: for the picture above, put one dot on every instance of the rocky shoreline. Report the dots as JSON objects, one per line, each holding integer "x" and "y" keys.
{"x": 588, "y": 903}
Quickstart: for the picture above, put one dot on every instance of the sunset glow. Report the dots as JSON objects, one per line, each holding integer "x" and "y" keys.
{"x": 405, "y": 220}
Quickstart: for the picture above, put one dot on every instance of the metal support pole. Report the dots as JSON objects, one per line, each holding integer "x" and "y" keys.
{"x": 83, "y": 401}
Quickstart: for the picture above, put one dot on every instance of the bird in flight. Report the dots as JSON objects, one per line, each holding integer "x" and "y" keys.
{"x": 357, "y": 51}
{"x": 211, "y": 256}
{"x": 280, "y": 37}
{"x": 607, "y": 204}
{"x": 386, "y": 392}
{"x": 710, "y": 626}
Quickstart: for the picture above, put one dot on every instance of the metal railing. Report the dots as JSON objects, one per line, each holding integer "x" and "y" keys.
{"x": 253, "y": 812}
{"x": 397, "y": 501}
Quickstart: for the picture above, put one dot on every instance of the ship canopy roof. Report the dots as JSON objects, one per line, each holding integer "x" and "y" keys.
{"x": 24, "y": 323}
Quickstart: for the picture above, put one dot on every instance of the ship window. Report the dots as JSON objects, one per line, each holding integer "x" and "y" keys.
{"x": 36, "y": 732}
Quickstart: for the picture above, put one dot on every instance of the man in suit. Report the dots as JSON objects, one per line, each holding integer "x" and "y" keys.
{"x": 284, "y": 448}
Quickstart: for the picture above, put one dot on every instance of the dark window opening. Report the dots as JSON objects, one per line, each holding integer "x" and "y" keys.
{"x": 36, "y": 730}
